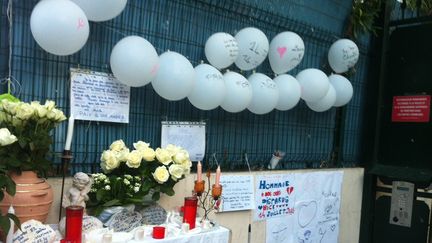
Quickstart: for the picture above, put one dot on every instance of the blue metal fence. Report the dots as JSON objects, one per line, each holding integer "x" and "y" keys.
{"x": 184, "y": 26}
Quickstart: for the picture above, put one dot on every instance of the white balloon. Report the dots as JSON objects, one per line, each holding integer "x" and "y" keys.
{"x": 101, "y": 10}
{"x": 343, "y": 54}
{"x": 209, "y": 89}
{"x": 175, "y": 78}
{"x": 134, "y": 61}
{"x": 60, "y": 27}
{"x": 286, "y": 52}
{"x": 314, "y": 84}
{"x": 265, "y": 94}
{"x": 325, "y": 103}
{"x": 221, "y": 50}
{"x": 238, "y": 92}
{"x": 253, "y": 48}
{"x": 289, "y": 92}
{"x": 343, "y": 87}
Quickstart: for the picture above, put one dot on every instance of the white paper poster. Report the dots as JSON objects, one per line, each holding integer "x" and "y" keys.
{"x": 97, "y": 96}
{"x": 316, "y": 210}
{"x": 278, "y": 230}
{"x": 237, "y": 193}
{"x": 188, "y": 135}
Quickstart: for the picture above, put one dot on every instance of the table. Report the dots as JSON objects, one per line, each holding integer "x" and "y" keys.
{"x": 220, "y": 235}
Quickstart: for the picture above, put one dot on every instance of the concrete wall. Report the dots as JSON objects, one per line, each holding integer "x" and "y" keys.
{"x": 238, "y": 222}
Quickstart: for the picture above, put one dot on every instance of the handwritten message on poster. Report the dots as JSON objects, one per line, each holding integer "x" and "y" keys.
{"x": 274, "y": 196}
{"x": 315, "y": 214}
{"x": 97, "y": 96}
{"x": 188, "y": 135}
{"x": 317, "y": 206}
{"x": 237, "y": 193}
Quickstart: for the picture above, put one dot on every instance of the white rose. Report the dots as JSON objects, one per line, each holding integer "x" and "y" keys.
{"x": 134, "y": 159}
{"x": 122, "y": 154}
{"x": 109, "y": 160}
{"x": 17, "y": 122}
{"x": 118, "y": 145}
{"x": 163, "y": 156}
{"x": 49, "y": 105}
{"x": 40, "y": 110}
{"x": 59, "y": 116}
{"x": 24, "y": 111}
{"x": 181, "y": 156}
{"x": 6, "y": 137}
{"x": 187, "y": 164}
{"x": 148, "y": 154}
{"x": 107, "y": 187}
{"x": 140, "y": 145}
{"x": 176, "y": 171}
{"x": 161, "y": 174}
{"x": 9, "y": 106}
{"x": 136, "y": 189}
{"x": 172, "y": 149}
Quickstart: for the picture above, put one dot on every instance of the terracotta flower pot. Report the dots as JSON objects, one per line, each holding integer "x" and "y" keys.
{"x": 33, "y": 197}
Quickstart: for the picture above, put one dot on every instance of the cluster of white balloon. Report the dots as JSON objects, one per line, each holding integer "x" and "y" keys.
{"x": 259, "y": 93}
{"x": 61, "y": 27}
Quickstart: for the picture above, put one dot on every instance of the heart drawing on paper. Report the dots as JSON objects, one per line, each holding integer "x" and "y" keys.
{"x": 281, "y": 51}
{"x": 290, "y": 190}
{"x": 306, "y": 213}
{"x": 260, "y": 207}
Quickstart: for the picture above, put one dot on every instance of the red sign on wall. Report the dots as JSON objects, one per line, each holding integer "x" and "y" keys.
{"x": 414, "y": 108}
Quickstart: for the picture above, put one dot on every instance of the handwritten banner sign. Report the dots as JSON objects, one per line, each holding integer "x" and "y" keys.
{"x": 97, "y": 96}
{"x": 274, "y": 196}
{"x": 312, "y": 211}
{"x": 188, "y": 135}
{"x": 237, "y": 193}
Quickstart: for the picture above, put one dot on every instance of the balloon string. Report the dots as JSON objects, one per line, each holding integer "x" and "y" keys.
{"x": 10, "y": 19}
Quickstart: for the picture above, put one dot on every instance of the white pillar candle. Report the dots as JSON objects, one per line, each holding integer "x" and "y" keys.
{"x": 69, "y": 133}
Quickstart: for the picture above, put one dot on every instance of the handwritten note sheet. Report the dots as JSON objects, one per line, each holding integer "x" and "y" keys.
{"x": 237, "y": 193}
{"x": 97, "y": 96}
{"x": 188, "y": 135}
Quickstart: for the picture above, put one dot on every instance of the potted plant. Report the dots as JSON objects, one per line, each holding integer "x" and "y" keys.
{"x": 131, "y": 177}
{"x": 26, "y": 159}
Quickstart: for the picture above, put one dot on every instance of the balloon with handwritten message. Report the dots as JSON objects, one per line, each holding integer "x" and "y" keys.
{"x": 221, "y": 50}
{"x": 101, "y": 10}
{"x": 343, "y": 88}
{"x": 238, "y": 92}
{"x": 253, "y": 48}
{"x": 324, "y": 103}
{"x": 314, "y": 84}
{"x": 343, "y": 55}
{"x": 60, "y": 27}
{"x": 175, "y": 78}
{"x": 289, "y": 92}
{"x": 134, "y": 61}
{"x": 209, "y": 89}
{"x": 286, "y": 52}
{"x": 265, "y": 94}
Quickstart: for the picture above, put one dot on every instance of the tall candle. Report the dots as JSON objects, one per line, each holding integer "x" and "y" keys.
{"x": 9, "y": 237}
{"x": 199, "y": 171}
{"x": 69, "y": 133}
{"x": 218, "y": 175}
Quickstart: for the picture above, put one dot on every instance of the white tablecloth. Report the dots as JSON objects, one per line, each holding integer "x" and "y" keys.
{"x": 220, "y": 235}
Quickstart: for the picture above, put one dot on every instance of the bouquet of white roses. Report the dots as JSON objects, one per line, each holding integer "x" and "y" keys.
{"x": 31, "y": 123}
{"x": 159, "y": 170}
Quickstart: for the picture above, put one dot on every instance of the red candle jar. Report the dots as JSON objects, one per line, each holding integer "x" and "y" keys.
{"x": 74, "y": 219}
{"x": 158, "y": 232}
{"x": 190, "y": 211}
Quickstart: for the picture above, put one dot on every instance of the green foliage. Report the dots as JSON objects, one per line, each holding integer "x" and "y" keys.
{"x": 363, "y": 16}
{"x": 6, "y": 185}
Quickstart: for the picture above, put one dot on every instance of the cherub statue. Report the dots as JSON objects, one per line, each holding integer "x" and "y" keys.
{"x": 77, "y": 194}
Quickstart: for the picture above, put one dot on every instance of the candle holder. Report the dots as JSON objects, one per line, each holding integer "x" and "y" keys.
{"x": 209, "y": 199}
{"x": 74, "y": 218}
{"x": 199, "y": 187}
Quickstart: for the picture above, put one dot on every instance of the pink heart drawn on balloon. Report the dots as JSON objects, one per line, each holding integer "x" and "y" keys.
{"x": 80, "y": 23}
{"x": 281, "y": 51}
